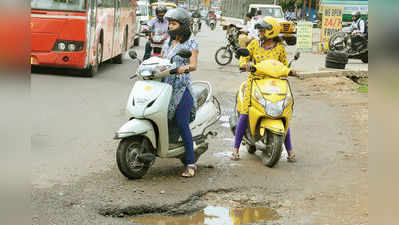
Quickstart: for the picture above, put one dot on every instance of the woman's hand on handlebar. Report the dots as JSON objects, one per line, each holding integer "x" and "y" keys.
{"x": 183, "y": 69}
{"x": 293, "y": 73}
{"x": 245, "y": 68}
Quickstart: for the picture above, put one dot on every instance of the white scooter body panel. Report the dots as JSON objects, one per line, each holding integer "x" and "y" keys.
{"x": 137, "y": 127}
{"x": 205, "y": 115}
{"x": 142, "y": 94}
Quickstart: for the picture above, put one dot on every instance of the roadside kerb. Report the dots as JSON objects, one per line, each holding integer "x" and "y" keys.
{"x": 334, "y": 73}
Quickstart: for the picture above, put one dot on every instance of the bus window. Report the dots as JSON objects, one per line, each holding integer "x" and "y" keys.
{"x": 60, "y": 5}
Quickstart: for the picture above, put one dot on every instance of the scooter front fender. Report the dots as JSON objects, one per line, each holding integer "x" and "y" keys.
{"x": 275, "y": 126}
{"x": 137, "y": 127}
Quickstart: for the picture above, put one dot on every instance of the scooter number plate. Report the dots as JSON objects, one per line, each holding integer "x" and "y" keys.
{"x": 272, "y": 90}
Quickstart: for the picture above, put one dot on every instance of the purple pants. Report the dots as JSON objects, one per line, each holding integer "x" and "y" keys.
{"x": 242, "y": 126}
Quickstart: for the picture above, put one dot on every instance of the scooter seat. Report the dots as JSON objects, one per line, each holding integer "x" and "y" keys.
{"x": 200, "y": 94}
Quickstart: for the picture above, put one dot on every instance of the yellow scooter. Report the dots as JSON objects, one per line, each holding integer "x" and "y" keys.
{"x": 270, "y": 109}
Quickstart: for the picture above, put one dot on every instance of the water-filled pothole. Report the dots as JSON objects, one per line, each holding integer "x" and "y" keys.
{"x": 214, "y": 215}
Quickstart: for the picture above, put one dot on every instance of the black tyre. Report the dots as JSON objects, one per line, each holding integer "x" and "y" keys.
{"x": 127, "y": 157}
{"x": 223, "y": 56}
{"x": 342, "y": 45}
{"x": 365, "y": 58}
{"x": 291, "y": 41}
{"x": 335, "y": 65}
{"x": 251, "y": 149}
{"x": 136, "y": 42}
{"x": 272, "y": 154}
{"x": 93, "y": 69}
{"x": 337, "y": 57}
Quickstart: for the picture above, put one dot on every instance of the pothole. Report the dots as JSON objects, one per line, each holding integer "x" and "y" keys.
{"x": 214, "y": 215}
{"x": 222, "y": 206}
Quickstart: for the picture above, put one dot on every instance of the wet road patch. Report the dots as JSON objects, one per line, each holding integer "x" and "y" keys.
{"x": 214, "y": 215}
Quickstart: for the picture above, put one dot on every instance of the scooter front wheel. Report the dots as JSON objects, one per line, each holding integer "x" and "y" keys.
{"x": 128, "y": 157}
{"x": 272, "y": 154}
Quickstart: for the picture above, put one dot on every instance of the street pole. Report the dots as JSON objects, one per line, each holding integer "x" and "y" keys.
{"x": 303, "y": 9}
{"x": 309, "y": 8}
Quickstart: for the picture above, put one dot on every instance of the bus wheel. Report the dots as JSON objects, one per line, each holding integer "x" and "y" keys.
{"x": 93, "y": 69}
{"x": 137, "y": 42}
{"x": 119, "y": 59}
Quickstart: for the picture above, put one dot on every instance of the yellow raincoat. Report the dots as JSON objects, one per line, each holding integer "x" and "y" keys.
{"x": 258, "y": 54}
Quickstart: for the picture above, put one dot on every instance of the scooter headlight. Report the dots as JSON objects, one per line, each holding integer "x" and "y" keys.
{"x": 259, "y": 98}
{"x": 274, "y": 109}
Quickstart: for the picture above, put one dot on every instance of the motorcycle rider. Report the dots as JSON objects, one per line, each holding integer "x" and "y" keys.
{"x": 182, "y": 105}
{"x": 269, "y": 46}
{"x": 358, "y": 29}
{"x": 158, "y": 23}
{"x": 248, "y": 33}
{"x": 211, "y": 15}
{"x": 197, "y": 14}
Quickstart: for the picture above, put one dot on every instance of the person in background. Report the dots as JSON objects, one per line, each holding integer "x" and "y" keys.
{"x": 359, "y": 31}
{"x": 158, "y": 23}
{"x": 248, "y": 33}
{"x": 197, "y": 14}
{"x": 259, "y": 17}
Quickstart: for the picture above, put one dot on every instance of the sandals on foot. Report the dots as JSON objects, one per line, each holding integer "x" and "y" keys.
{"x": 291, "y": 158}
{"x": 235, "y": 156}
{"x": 191, "y": 170}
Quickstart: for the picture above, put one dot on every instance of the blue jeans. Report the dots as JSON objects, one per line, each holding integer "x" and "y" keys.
{"x": 183, "y": 121}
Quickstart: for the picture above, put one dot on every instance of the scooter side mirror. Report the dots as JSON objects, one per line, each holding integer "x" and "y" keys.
{"x": 133, "y": 54}
{"x": 184, "y": 53}
{"x": 243, "y": 52}
{"x": 297, "y": 55}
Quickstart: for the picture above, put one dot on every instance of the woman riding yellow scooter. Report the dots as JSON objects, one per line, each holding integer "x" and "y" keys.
{"x": 268, "y": 47}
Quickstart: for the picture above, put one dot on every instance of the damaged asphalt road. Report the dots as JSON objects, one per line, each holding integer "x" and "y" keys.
{"x": 75, "y": 179}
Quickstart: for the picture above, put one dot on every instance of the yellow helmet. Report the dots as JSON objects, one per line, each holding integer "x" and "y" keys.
{"x": 270, "y": 25}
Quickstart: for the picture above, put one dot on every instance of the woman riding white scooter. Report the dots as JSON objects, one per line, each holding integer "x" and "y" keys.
{"x": 182, "y": 105}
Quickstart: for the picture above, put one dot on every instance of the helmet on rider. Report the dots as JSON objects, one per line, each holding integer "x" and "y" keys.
{"x": 356, "y": 15}
{"x": 182, "y": 19}
{"x": 269, "y": 28}
{"x": 160, "y": 12}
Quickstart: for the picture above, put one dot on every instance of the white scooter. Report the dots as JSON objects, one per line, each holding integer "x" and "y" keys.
{"x": 147, "y": 135}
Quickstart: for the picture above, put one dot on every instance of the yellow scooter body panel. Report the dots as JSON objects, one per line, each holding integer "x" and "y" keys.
{"x": 275, "y": 126}
{"x": 271, "y": 68}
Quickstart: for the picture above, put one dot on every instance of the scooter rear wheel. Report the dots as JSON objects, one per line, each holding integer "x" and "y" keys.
{"x": 127, "y": 158}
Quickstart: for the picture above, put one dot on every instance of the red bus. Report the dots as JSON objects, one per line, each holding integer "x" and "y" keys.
{"x": 81, "y": 34}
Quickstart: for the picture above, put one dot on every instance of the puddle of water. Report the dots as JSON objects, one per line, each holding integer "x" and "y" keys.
{"x": 212, "y": 215}
{"x": 226, "y": 125}
{"x": 225, "y": 118}
{"x": 222, "y": 154}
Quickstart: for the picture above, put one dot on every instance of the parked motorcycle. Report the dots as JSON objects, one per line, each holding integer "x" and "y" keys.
{"x": 354, "y": 45}
{"x": 147, "y": 134}
{"x": 224, "y": 55}
{"x": 270, "y": 110}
